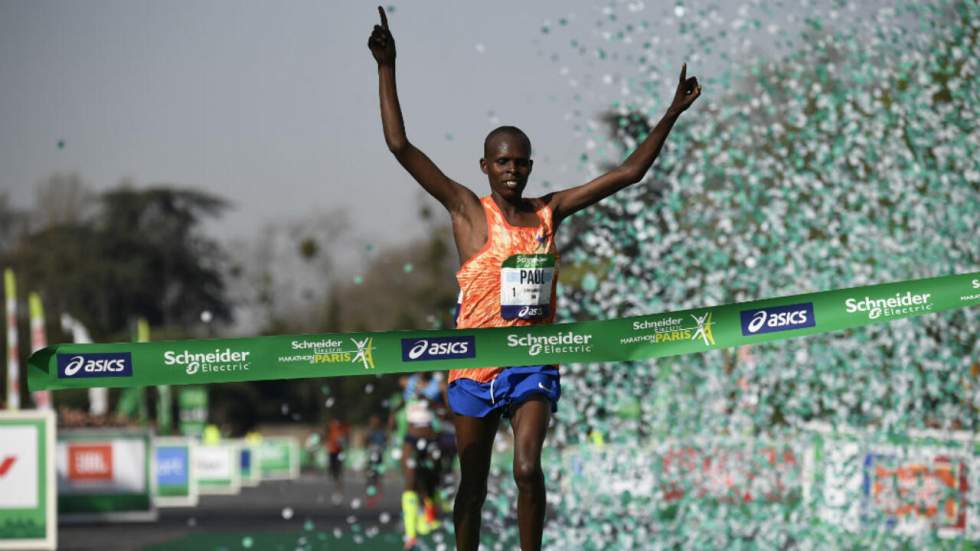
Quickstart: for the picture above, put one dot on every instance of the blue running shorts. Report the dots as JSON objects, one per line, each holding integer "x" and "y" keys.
{"x": 512, "y": 387}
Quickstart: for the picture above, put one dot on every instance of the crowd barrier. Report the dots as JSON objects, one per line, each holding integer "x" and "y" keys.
{"x": 28, "y": 500}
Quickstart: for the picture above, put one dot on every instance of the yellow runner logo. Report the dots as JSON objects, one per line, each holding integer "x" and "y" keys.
{"x": 704, "y": 329}
{"x": 365, "y": 349}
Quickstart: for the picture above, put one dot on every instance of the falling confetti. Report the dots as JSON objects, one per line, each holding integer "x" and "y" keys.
{"x": 835, "y": 145}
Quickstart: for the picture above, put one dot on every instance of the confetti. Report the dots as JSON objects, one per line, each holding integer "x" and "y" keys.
{"x": 835, "y": 145}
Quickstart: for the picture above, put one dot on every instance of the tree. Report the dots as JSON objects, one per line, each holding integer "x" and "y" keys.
{"x": 61, "y": 199}
{"x": 140, "y": 253}
{"x": 13, "y": 223}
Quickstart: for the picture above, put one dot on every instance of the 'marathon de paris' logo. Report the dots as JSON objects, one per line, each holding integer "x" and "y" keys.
{"x": 704, "y": 329}
{"x": 335, "y": 353}
{"x": 365, "y": 349}
{"x": 671, "y": 329}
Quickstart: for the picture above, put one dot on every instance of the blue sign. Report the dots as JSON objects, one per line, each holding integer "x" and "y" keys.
{"x": 777, "y": 318}
{"x": 438, "y": 348}
{"x": 105, "y": 364}
{"x": 172, "y": 466}
{"x": 246, "y": 460}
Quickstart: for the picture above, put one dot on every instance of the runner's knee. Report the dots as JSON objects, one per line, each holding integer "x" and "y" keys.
{"x": 472, "y": 492}
{"x": 527, "y": 473}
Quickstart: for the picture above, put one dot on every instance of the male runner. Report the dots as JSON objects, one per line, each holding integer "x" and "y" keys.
{"x": 420, "y": 465}
{"x": 507, "y": 278}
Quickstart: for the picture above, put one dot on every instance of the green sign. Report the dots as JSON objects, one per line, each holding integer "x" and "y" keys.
{"x": 635, "y": 338}
{"x": 278, "y": 458}
{"x": 28, "y": 516}
{"x": 193, "y": 404}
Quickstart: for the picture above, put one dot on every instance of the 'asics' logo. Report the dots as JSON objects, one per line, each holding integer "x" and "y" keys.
{"x": 777, "y": 318}
{"x": 438, "y": 348}
{"x": 105, "y": 364}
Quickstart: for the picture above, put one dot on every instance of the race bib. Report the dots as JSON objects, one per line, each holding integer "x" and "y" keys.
{"x": 525, "y": 286}
{"x": 417, "y": 413}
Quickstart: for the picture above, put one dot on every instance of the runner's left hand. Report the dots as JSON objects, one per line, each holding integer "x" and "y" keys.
{"x": 688, "y": 90}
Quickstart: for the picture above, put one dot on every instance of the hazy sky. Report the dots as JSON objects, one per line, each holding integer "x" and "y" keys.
{"x": 274, "y": 106}
{"x": 270, "y": 104}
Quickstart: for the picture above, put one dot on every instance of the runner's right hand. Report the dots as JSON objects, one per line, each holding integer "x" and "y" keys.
{"x": 381, "y": 43}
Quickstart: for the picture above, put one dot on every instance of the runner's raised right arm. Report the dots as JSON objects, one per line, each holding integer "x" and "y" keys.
{"x": 456, "y": 198}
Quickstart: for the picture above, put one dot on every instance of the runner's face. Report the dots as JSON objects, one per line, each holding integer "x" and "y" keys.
{"x": 507, "y": 164}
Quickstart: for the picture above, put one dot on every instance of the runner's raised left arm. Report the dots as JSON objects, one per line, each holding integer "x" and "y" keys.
{"x": 634, "y": 168}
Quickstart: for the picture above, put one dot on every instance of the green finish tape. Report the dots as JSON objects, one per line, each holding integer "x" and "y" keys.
{"x": 635, "y": 338}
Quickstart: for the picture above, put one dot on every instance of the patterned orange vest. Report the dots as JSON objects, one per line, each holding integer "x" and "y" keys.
{"x": 510, "y": 282}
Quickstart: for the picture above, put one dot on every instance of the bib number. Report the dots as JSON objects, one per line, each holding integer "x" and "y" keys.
{"x": 525, "y": 286}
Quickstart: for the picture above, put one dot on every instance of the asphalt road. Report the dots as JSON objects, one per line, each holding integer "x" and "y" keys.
{"x": 308, "y": 506}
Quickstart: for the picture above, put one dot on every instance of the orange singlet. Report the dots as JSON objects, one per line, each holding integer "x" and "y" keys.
{"x": 510, "y": 282}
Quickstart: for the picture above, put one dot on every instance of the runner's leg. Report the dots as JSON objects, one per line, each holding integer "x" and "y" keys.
{"x": 530, "y": 423}
{"x": 410, "y": 497}
{"x": 474, "y": 442}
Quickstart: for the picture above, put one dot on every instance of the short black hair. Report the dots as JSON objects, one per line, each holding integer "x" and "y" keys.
{"x": 506, "y": 131}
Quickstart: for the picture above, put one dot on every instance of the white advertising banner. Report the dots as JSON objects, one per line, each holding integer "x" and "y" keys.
{"x": 218, "y": 468}
{"x": 105, "y": 474}
{"x": 19, "y": 464}
{"x": 101, "y": 467}
{"x": 28, "y": 504}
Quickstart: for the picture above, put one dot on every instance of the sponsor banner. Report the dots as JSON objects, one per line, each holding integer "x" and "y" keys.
{"x": 911, "y": 485}
{"x": 28, "y": 504}
{"x": 635, "y": 338}
{"x": 910, "y": 493}
{"x": 218, "y": 468}
{"x": 175, "y": 476}
{"x": 192, "y": 404}
{"x": 248, "y": 463}
{"x": 278, "y": 458}
{"x": 777, "y": 318}
{"x": 720, "y": 470}
{"x": 105, "y": 474}
{"x": 438, "y": 348}
{"x": 110, "y": 364}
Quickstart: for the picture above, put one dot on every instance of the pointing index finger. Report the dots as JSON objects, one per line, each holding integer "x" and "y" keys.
{"x": 683, "y": 72}
{"x": 384, "y": 18}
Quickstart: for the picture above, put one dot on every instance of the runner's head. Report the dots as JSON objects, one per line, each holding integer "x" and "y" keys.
{"x": 507, "y": 161}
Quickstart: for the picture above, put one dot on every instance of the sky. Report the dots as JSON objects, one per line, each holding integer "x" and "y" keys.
{"x": 273, "y": 105}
